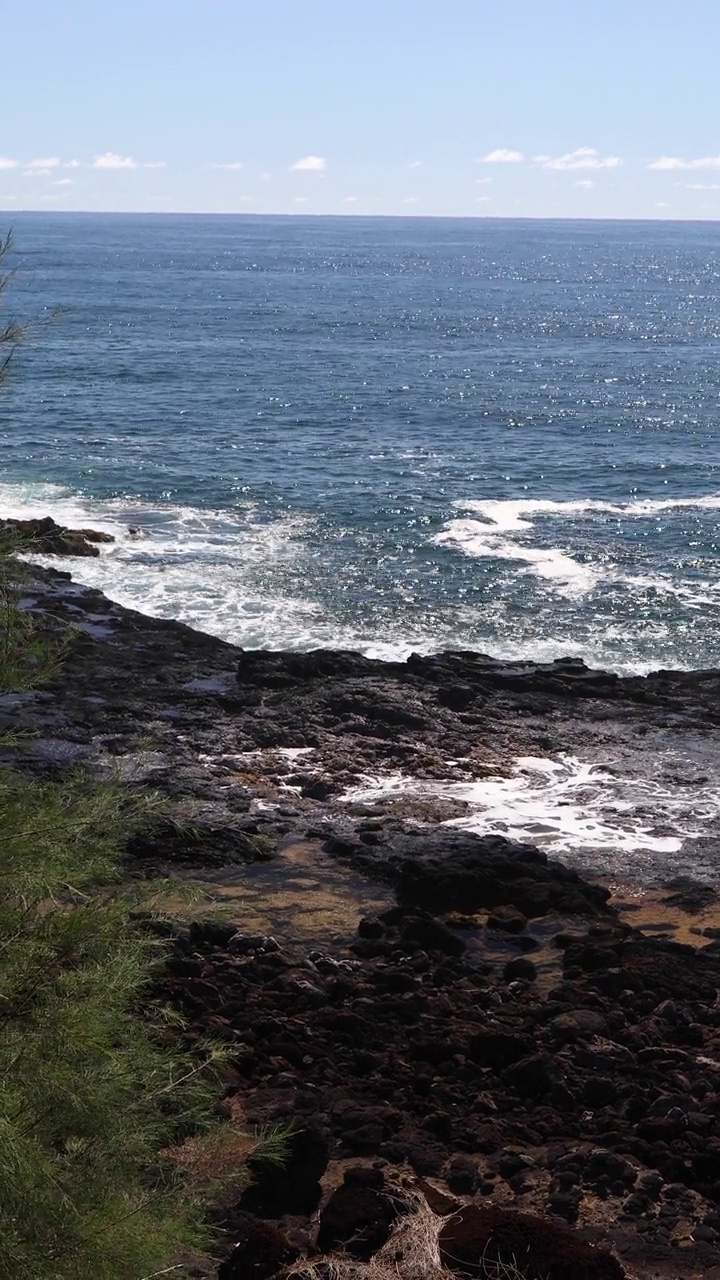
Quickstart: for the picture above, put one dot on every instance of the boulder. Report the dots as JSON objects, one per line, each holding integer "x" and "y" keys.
{"x": 358, "y": 1216}
{"x": 261, "y": 1255}
{"x": 533, "y": 1247}
{"x": 294, "y": 1186}
{"x": 507, "y": 918}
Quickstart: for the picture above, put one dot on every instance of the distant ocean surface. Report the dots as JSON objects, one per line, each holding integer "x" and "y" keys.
{"x": 385, "y": 434}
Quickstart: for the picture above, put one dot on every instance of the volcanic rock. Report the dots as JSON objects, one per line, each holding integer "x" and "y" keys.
{"x": 45, "y": 537}
{"x": 536, "y": 1248}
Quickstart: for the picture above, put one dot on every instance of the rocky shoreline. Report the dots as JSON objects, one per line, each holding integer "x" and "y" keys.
{"x": 436, "y": 1008}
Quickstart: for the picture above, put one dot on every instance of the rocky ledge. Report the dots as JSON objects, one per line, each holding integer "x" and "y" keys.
{"x": 485, "y": 1029}
{"x": 45, "y": 537}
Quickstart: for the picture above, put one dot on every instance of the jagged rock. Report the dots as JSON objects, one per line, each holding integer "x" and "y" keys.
{"x": 48, "y": 538}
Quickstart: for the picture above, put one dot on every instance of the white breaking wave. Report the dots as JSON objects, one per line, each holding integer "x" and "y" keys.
{"x": 253, "y": 580}
{"x": 576, "y": 810}
{"x": 476, "y": 538}
{"x": 515, "y": 513}
{"x": 218, "y": 571}
{"x": 487, "y": 537}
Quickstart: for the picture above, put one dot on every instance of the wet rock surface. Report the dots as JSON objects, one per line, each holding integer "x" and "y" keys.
{"x": 494, "y": 1029}
{"x": 45, "y": 537}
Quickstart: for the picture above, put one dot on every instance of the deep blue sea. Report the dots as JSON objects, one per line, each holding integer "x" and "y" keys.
{"x": 389, "y": 434}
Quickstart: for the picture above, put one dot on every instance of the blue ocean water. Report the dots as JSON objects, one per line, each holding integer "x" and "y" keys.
{"x": 382, "y": 433}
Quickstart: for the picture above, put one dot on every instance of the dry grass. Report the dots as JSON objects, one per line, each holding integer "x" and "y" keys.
{"x": 411, "y": 1253}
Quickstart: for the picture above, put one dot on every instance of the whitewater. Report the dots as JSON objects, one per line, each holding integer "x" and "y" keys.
{"x": 394, "y": 436}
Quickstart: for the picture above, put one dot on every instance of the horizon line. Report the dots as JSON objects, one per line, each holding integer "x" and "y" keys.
{"x": 366, "y": 217}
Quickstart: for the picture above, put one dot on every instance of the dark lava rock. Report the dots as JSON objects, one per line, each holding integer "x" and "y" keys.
{"x": 530, "y": 1077}
{"x": 456, "y": 696}
{"x": 600, "y": 1091}
{"x": 211, "y": 933}
{"x": 370, "y": 928}
{"x": 433, "y": 936}
{"x": 261, "y": 1255}
{"x": 456, "y": 871}
{"x": 294, "y": 1186}
{"x": 689, "y": 895}
{"x": 358, "y": 1216}
{"x": 507, "y": 918}
{"x": 164, "y": 843}
{"x": 533, "y": 1247}
{"x": 498, "y": 1048}
{"x": 462, "y": 1174}
{"x": 565, "y": 1203}
{"x": 521, "y": 968}
{"x": 577, "y": 1024}
{"x": 45, "y": 537}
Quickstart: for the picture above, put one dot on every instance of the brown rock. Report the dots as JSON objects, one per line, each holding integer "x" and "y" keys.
{"x": 507, "y": 918}
{"x": 538, "y": 1248}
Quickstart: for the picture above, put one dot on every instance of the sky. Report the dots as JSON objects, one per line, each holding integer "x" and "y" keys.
{"x": 481, "y": 108}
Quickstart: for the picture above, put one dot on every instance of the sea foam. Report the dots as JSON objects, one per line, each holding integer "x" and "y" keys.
{"x": 497, "y": 530}
{"x": 617, "y": 824}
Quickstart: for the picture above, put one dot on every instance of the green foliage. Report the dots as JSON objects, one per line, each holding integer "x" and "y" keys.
{"x": 93, "y": 1087}
{"x": 27, "y": 656}
{"x": 272, "y": 1145}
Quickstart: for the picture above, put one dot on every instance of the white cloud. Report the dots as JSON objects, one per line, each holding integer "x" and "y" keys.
{"x": 111, "y": 160}
{"x": 301, "y": 200}
{"x": 484, "y": 182}
{"x": 662, "y": 204}
{"x": 503, "y": 156}
{"x": 702, "y": 186}
{"x": 309, "y": 164}
{"x": 72, "y": 164}
{"x": 36, "y": 173}
{"x": 48, "y": 162}
{"x": 587, "y": 183}
{"x": 482, "y": 199}
{"x": 581, "y": 158}
{"x": 350, "y": 200}
{"x": 265, "y": 177}
{"x": 232, "y": 164}
{"x": 414, "y": 164}
{"x": 63, "y": 182}
{"x": 411, "y": 200}
{"x": 676, "y": 162}
{"x": 6, "y": 163}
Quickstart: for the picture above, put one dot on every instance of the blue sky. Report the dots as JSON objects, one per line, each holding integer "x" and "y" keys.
{"x": 540, "y": 108}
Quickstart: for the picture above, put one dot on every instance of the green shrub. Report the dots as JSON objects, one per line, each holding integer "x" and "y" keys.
{"x": 94, "y": 1089}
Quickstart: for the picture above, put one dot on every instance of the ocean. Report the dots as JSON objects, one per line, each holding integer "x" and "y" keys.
{"x": 383, "y": 434}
